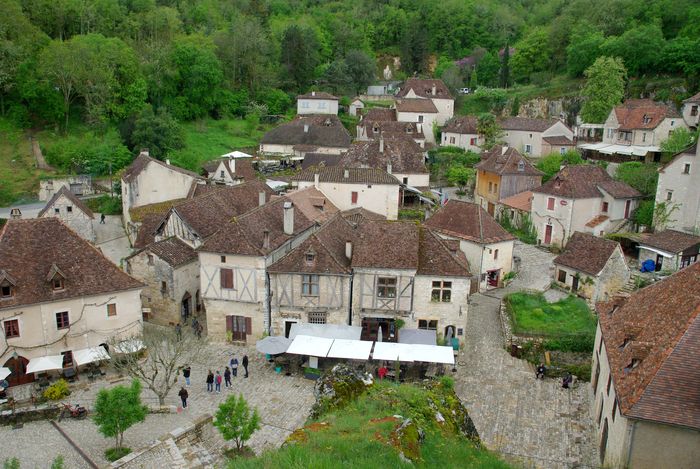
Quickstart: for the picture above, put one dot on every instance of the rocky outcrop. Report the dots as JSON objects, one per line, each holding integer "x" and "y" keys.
{"x": 337, "y": 387}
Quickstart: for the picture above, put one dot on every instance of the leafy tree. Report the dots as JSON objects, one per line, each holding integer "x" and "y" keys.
{"x": 677, "y": 141}
{"x": 159, "y": 132}
{"x": 335, "y": 77}
{"x": 236, "y": 421}
{"x": 583, "y": 49}
{"x": 641, "y": 176}
{"x": 532, "y": 54}
{"x": 489, "y": 130}
{"x": 505, "y": 67}
{"x": 453, "y": 78}
{"x": 414, "y": 48}
{"x": 460, "y": 176}
{"x": 551, "y": 164}
{"x": 638, "y": 47}
{"x": 604, "y": 89}
{"x": 488, "y": 68}
{"x": 245, "y": 52}
{"x": 299, "y": 55}
{"x": 361, "y": 70}
{"x": 644, "y": 214}
{"x": 117, "y": 409}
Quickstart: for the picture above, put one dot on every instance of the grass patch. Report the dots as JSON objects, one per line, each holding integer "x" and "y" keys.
{"x": 112, "y": 454}
{"x": 105, "y": 204}
{"x": 19, "y": 178}
{"x": 533, "y": 315}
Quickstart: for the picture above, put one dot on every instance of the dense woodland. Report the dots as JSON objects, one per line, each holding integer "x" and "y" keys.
{"x": 134, "y": 70}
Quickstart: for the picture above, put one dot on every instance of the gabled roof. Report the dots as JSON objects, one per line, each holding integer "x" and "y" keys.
{"x": 147, "y": 231}
{"x": 141, "y": 162}
{"x": 319, "y": 159}
{"x": 392, "y": 129}
{"x": 693, "y": 151}
{"x": 462, "y": 125}
{"x": 424, "y": 88}
{"x": 354, "y": 175}
{"x": 30, "y": 250}
{"x": 527, "y": 124}
{"x": 243, "y": 167}
{"x": 521, "y": 201}
{"x": 585, "y": 182}
{"x": 506, "y": 160}
{"x": 321, "y": 130}
{"x": 317, "y": 95}
{"x": 379, "y": 114}
{"x": 404, "y": 155}
{"x": 64, "y": 191}
{"x": 586, "y": 253}
{"x": 467, "y": 221}
{"x": 561, "y": 140}
{"x": 415, "y": 105}
{"x": 652, "y": 340}
{"x": 693, "y": 99}
{"x": 671, "y": 241}
{"x": 171, "y": 250}
{"x": 642, "y": 114}
{"x": 360, "y": 215}
{"x": 313, "y": 204}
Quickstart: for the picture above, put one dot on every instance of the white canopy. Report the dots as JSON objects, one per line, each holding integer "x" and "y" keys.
{"x": 417, "y": 336}
{"x": 5, "y": 372}
{"x": 90, "y": 355}
{"x": 49, "y": 362}
{"x": 353, "y": 349}
{"x": 432, "y": 354}
{"x": 275, "y": 185}
{"x": 610, "y": 149}
{"x": 236, "y": 154}
{"x": 129, "y": 346}
{"x": 329, "y": 331}
{"x": 309, "y": 345}
{"x": 392, "y": 351}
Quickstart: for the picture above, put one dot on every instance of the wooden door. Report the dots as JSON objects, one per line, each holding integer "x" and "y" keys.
{"x": 239, "y": 327}
{"x": 547, "y": 234}
{"x": 659, "y": 262}
{"x": 627, "y": 208}
{"x": 574, "y": 284}
{"x": 18, "y": 367}
{"x": 491, "y": 208}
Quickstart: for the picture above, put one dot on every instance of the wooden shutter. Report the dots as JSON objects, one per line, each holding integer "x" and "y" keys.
{"x": 229, "y": 324}
{"x": 353, "y": 197}
{"x": 248, "y": 326}
{"x": 226, "y": 278}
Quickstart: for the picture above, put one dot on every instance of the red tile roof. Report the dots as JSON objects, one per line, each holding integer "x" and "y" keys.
{"x": 354, "y": 175}
{"x": 642, "y": 114}
{"x": 693, "y": 99}
{"x": 560, "y": 140}
{"x": 313, "y": 204}
{"x": 416, "y": 105}
{"x": 147, "y": 231}
{"x": 379, "y": 114}
{"x": 586, "y": 253}
{"x": 467, "y": 221}
{"x": 321, "y": 131}
{"x": 317, "y": 95}
{"x": 172, "y": 250}
{"x": 671, "y": 241}
{"x": 243, "y": 167}
{"x": 521, "y": 201}
{"x": 585, "y": 182}
{"x": 424, "y": 88}
{"x": 462, "y": 125}
{"x": 506, "y": 160}
{"x": 64, "y": 191}
{"x": 527, "y": 124}
{"x": 404, "y": 155}
{"x": 597, "y": 220}
{"x": 392, "y": 129}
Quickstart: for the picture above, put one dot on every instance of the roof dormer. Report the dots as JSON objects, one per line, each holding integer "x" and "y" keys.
{"x": 56, "y": 278}
{"x": 310, "y": 257}
{"x": 8, "y": 285}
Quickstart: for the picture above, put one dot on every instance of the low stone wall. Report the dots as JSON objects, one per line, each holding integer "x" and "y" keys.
{"x": 41, "y": 412}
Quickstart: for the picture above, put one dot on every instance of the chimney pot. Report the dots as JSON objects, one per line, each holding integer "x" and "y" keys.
{"x": 317, "y": 180}
{"x": 388, "y": 168}
{"x": 346, "y": 173}
{"x": 261, "y": 198}
{"x": 167, "y": 161}
{"x": 306, "y": 128}
{"x": 144, "y": 152}
{"x": 288, "y": 218}
{"x": 434, "y": 90}
{"x": 266, "y": 239}
{"x": 348, "y": 249}
{"x": 381, "y": 144}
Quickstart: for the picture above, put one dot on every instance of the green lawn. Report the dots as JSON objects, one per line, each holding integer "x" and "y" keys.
{"x": 532, "y": 314}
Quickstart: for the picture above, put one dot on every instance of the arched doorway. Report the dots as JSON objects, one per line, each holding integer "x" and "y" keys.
{"x": 186, "y": 308}
{"x": 604, "y": 441}
{"x": 18, "y": 368}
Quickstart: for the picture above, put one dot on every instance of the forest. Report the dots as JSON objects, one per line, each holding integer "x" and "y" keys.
{"x": 132, "y": 73}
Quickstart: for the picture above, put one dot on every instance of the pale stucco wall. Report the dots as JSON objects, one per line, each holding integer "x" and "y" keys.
{"x": 452, "y": 313}
{"x": 444, "y": 106}
{"x": 690, "y": 120}
{"x": 641, "y": 137}
{"x": 288, "y": 150}
{"x": 156, "y": 183}
{"x": 655, "y": 445}
{"x": 414, "y": 180}
{"x": 452, "y": 139}
{"x": 378, "y": 198}
{"x": 76, "y": 219}
{"x": 317, "y": 106}
{"x": 684, "y": 194}
{"x": 428, "y": 120}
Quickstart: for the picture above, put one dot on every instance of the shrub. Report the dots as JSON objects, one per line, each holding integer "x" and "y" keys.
{"x": 447, "y": 382}
{"x": 574, "y": 343}
{"x": 112, "y": 454}
{"x": 57, "y": 390}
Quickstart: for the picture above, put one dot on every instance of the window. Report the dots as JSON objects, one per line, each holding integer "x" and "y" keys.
{"x": 57, "y": 283}
{"x": 69, "y": 209}
{"x": 530, "y": 135}
{"x": 607, "y": 389}
{"x": 67, "y": 358}
{"x": 561, "y": 276}
{"x": 11, "y": 328}
{"x": 317, "y": 317}
{"x": 495, "y": 188}
{"x": 672, "y": 123}
{"x": 227, "y": 279}
{"x": 150, "y": 259}
{"x": 669, "y": 195}
{"x": 223, "y": 259}
{"x": 405, "y": 180}
{"x": 562, "y": 150}
{"x": 429, "y": 324}
{"x": 597, "y": 375}
{"x": 550, "y": 203}
{"x": 57, "y": 211}
{"x": 322, "y": 105}
{"x": 420, "y": 118}
{"x": 605, "y": 207}
{"x": 646, "y": 119}
{"x": 528, "y": 148}
{"x": 686, "y": 168}
{"x": 62, "y": 320}
{"x": 353, "y": 197}
{"x": 600, "y": 412}
{"x": 644, "y": 136}
{"x": 610, "y": 133}
{"x": 694, "y": 111}
{"x": 386, "y": 287}
{"x": 221, "y": 174}
{"x": 472, "y": 141}
{"x": 452, "y": 140}
{"x": 490, "y": 187}
{"x": 164, "y": 287}
{"x": 442, "y": 291}
{"x": 6, "y": 290}
{"x": 309, "y": 258}
{"x": 309, "y": 286}
{"x": 495, "y": 254}
{"x": 305, "y": 104}
{"x": 111, "y": 309}
{"x": 632, "y": 365}
{"x": 521, "y": 165}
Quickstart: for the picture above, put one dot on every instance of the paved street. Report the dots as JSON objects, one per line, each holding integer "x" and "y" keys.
{"x": 536, "y": 269}
{"x": 111, "y": 238}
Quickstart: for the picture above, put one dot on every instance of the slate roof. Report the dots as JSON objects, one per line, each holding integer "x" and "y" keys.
{"x": 506, "y": 160}
{"x": 424, "y": 88}
{"x": 630, "y": 114}
{"x": 585, "y": 182}
{"x": 521, "y": 201}
{"x": 416, "y": 105}
{"x": 671, "y": 241}
{"x": 527, "y": 124}
{"x": 652, "y": 340}
{"x": 404, "y": 155}
{"x": 693, "y": 99}
{"x": 586, "y": 253}
{"x": 360, "y": 215}
{"x": 147, "y": 231}
{"x": 243, "y": 167}
{"x": 319, "y": 159}
{"x": 355, "y": 175}
{"x": 313, "y": 204}
{"x": 462, "y": 125}
{"x": 64, "y": 191}
{"x": 171, "y": 250}
{"x": 379, "y": 114}
{"x": 317, "y": 95}
{"x": 31, "y": 249}
{"x": 559, "y": 140}
{"x": 597, "y": 220}
{"x": 140, "y": 163}
{"x": 392, "y": 129}
{"x": 323, "y": 131}
{"x": 467, "y": 221}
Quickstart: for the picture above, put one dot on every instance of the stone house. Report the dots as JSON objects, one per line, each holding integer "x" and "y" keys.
{"x": 670, "y": 250}
{"x": 373, "y": 130}
{"x": 645, "y": 377}
{"x": 487, "y": 246}
{"x": 422, "y": 112}
{"x": 348, "y": 188}
{"x": 77, "y": 184}
{"x": 528, "y": 135}
{"x": 581, "y": 198}
{"x": 356, "y": 107}
{"x": 430, "y": 89}
{"x": 72, "y": 211}
{"x": 677, "y": 192}
{"x": 229, "y": 171}
{"x": 170, "y": 270}
{"x": 691, "y": 111}
{"x": 308, "y": 133}
{"x": 501, "y": 173}
{"x": 59, "y": 294}
{"x": 461, "y": 131}
{"x": 317, "y": 102}
{"x": 516, "y": 207}
{"x": 591, "y": 267}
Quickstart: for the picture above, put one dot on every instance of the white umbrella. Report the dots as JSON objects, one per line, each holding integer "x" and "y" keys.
{"x": 4, "y": 372}
{"x": 273, "y": 345}
{"x": 90, "y": 355}
{"x": 380, "y": 334}
{"x": 49, "y": 362}
{"x": 129, "y": 346}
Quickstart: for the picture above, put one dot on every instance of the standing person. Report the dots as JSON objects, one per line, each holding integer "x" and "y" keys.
{"x": 567, "y": 381}
{"x": 227, "y": 377}
{"x": 200, "y": 328}
{"x": 102, "y": 219}
{"x": 186, "y": 373}
{"x": 234, "y": 366}
{"x": 183, "y": 396}
{"x": 245, "y": 365}
{"x": 218, "y": 381}
{"x": 178, "y": 331}
{"x": 541, "y": 370}
{"x": 210, "y": 381}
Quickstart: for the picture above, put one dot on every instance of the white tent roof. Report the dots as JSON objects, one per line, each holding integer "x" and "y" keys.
{"x": 329, "y": 331}
{"x": 432, "y": 354}
{"x": 274, "y": 185}
{"x": 417, "y": 336}
{"x": 610, "y": 149}
{"x": 129, "y": 346}
{"x": 4, "y": 372}
{"x": 392, "y": 351}
{"x": 49, "y": 362}
{"x": 236, "y": 154}
{"x": 90, "y": 355}
{"x": 309, "y": 345}
{"x": 353, "y": 349}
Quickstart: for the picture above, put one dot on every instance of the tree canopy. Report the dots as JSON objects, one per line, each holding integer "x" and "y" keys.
{"x": 605, "y": 87}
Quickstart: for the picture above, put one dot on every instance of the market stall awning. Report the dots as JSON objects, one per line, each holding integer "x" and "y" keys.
{"x": 309, "y": 345}
{"x": 432, "y": 354}
{"x": 392, "y": 351}
{"x": 5, "y": 372}
{"x": 236, "y": 154}
{"x": 90, "y": 355}
{"x": 352, "y": 349}
{"x": 329, "y": 331}
{"x": 129, "y": 346}
{"x": 417, "y": 336}
{"x": 273, "y": 345}
{"x": 49, "y": 362}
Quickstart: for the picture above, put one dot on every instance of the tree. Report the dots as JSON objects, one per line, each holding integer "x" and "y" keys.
{"x": 167, "y": 354}
{"x": 361, "y": 70}
{"x": 641, "y": 176}
{"x": 489, "y": 130}
{"x": 551, "y": 164}
{"x": 604, "y": 89}
{"x": 453, "y": 78}
{"x": 460, "y": 176}
{"x": 117, "y": 409}
{"x": 639, "y": 47}
{"x": 299, "y": 55}
{"x": 679, "y": 140}
{"x": 583, "y": 49}
{"x": 235, "y": 420}
{"x": 414, "y": 48}
{"x": 159, "y": 132}
{"x": 488, "y": 69}
{"x": 505, "y": 67}
{"x": 532, "y": 54}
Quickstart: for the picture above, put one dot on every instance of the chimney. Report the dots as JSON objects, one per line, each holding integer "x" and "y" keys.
{"x": 306, "y": 128}
{"x": 144, "y": 152}
{"x": 167, "y": 161}
{"x": 348, "y": 249}
{"x": 266, "y": 239}
{"x": 388, "y": 168}
{"x": 261, "y": 198}
{"x": 434, "y": 90}
{"x": 288, "y": 218}
{"x": 232, "y": 165}
{"x": 504, "y": 149}
{"x": 381, "y": 144}
{"x": 317, "y": 180}
{"x": 313, "y": 93}
{"x": 15, "y": 214}
{"x": 346, "y": 173}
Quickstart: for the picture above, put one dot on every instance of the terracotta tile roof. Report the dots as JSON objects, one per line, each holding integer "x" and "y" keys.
{"x": 586, "y": 253}
{"x": 404, "y": 155}
{"x": 31, "y": 249}
{"x": 243, "y": 167}
{"x": 391, "y": 129}
{"x": 462, "y": 125}
{"x": 424, "y": 88}
{"x": 313, "y": 204}
{"x": 652, "y": 340}
{"x": 597, "y": 220}
{"x": 671, "y": 241}
{"x": 642, "y": 114}
{"x": 521, "y": 201}
{"x": 360, "y": 215}
{"x": 354, "y": 175}
{"x": 583, "y": 182}
{"x": 147, "y": 231}
{"x": 322, "y": 131}
{"x": 527, "y": 124}
{"x": 379, "y": 114}
{"x": 693, "y": 99}
{"x": 172, "y": 250}
{"x": 64, "y": 191}
{"x": 559, "y": 140}
{"x": 506, "y": 160}
{"x": 416, "y": 105}
{"x": 198, "y": 190}
{"x": 317, "y": 95}
{"x": 319, "y": 159}
{"x": 137, "y": 214}
{"x": 467, "y": 221}
{"x": 142, "y": 161}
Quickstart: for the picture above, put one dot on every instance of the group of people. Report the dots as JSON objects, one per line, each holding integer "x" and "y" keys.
{"x": 567, "y": 380}
{"x": 214, "y": 380}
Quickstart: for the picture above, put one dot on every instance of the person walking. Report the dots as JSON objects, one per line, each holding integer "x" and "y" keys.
{"x": 245, "y": 365}
{"x": 210, "y": 381}
{"x": 227, "y": 377}
{"x": 218, "y": 381}
{"x": 183, "y": 396}
{"x": 102, "y": 219}
{"x": 186, "y": 373}
{"x": 234, "y": 366}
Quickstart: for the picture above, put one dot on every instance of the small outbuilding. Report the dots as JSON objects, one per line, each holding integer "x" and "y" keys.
{"x": 669, "y": 249}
